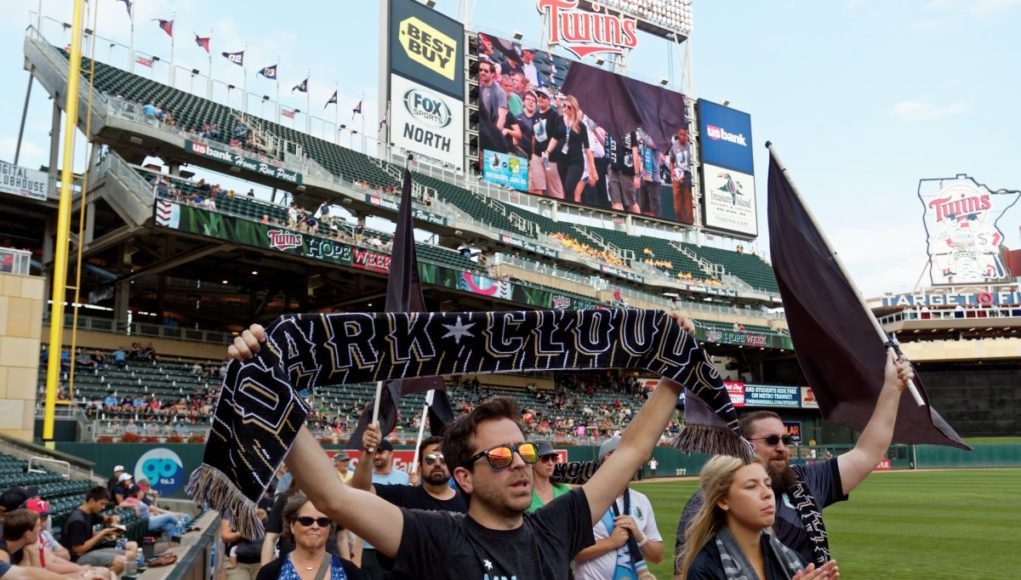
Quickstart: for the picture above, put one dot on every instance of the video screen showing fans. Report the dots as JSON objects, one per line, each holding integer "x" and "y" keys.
{"x": 579, "y": 134}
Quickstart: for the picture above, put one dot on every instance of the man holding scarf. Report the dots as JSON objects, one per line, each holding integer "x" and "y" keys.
{"x": 626, "y": 536}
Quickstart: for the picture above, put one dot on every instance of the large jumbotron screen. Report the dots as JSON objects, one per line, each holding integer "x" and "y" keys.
{"x": 626, "y": 129}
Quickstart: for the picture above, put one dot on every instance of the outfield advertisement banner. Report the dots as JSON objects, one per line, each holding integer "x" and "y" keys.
{"x": 527, "y": 99}
{"x": 808, "y": 399}
{"x": 937, "y": 298}
{"x": 425, "y": 46}
{"x": 793, "y": 429}
{"x": 726, "y": 136}
{"x": 427, "y": 122}
{"x": 392, "y": 204}
{"x": 24, "y": 182}
{"x": 246, "y": 163}
{"x": 729, "y": 200}
{"x": 194, "y": 220}
{"x": 961, "y": 218}
{"x": 771, "y": 396}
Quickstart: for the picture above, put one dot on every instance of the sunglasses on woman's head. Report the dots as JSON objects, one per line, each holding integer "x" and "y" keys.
{"x": 774, "y": 440}
{"x": 432, "y": 458}
{"x": 502, "y": 456}
{"x": 307, "y": 521}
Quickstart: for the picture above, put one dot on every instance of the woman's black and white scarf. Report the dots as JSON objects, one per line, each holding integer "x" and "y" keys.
{"x": 260, "y": 410}
{"x": 736, "y": 565}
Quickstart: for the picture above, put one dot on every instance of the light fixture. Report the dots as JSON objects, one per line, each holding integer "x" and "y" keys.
{"x": 518, "y": 35}
{"x": 430, "y": 3}
{"x": 726, "y": 103}
{"x": 226, "y": 282}
{"x": 664, "y": 81}
{"x": 255, "y": 272}
{"x": 135, "y": 140}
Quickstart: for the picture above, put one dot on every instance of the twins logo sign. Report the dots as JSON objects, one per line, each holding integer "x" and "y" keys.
{"x": 163, "y": 468}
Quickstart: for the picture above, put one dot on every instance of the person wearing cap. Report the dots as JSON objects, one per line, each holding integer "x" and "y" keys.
{"x": 543, "y": 176}
{"x": 15, "y": 497}
{"x": 53, "y": 556}
{"x": 626, "y": 535}
{"x": 157, "y": 520}
{"x": 342, "y": 460}
{"x": 116, "y": 479}
{"x": 122, "y": 490}
{"x": 90, "y": 548}
{"x": 544, "y": 490}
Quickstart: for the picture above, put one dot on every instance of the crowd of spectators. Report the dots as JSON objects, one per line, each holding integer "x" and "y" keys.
{"x": 602, "y": 256}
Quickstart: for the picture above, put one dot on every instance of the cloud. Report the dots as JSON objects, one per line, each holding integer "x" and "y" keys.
{"x": 882, "y": 257}
{"x": 914, "y": 110}
{"x": 32, "y": 154}
{"x": 975, "y": 8}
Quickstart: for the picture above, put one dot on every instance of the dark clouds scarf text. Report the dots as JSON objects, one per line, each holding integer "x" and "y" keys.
{"x": 260, "y": 412}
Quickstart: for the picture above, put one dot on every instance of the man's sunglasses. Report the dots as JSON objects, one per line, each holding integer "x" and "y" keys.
{"x": 774, "y": 440}
{"x": 549, "y": 458}
{"x": 502, "y": 456}
{"x": 307, "y": 521}
{"x": 433, "y": 458}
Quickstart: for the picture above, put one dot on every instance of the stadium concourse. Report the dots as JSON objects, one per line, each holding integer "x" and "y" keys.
{"x": 177, "y": 259}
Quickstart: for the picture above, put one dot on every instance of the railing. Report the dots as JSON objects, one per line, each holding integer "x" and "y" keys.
{"x": 37, "y": 459}
{"x": 146, "y": 329}
{"x": 15, "y": 261}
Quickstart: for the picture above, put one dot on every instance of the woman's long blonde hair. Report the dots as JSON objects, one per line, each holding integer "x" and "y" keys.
{"x": 573, "y": 101}
{"x": 716, "y": 477}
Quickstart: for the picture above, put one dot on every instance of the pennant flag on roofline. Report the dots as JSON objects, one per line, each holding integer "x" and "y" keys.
{"x": 382, "y": 122}
{"x": 301, "y": 87}
{"x": 167, "y": 26}
{"x": 144, "y": 61}
{"x": 203, "y": 41}
{"x": 129, "y": 5}
{"x": 841, "y": 354}
{"x": 358, "y": 109}
{"x": 269, "y": 72}
{"x": 237, "y": 58}
{"x": 404, "y": 294}
{"x": 332, "y": 101}
{"x": 289, "y": 113}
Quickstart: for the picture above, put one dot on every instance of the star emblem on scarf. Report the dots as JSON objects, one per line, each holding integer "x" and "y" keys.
{"x": 458, "y": 330}
{"x": 487, "y": 564}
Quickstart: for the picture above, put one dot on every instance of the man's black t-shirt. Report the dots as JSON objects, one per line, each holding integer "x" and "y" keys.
{"x": 621, "y": 153}
{"x": 544, "y": 126}
{"x": 77, "y": 530}
{"x": 442, "y": 545}
{"x": 572, "y": 144}
{"x": 417, "y": 498}
{"x": 15, "y": 557}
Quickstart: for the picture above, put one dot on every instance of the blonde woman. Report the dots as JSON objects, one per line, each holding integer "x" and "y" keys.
{"x": 576, "y": 154}
{"x": 730, "y": 537}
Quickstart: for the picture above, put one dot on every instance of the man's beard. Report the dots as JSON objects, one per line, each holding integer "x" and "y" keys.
{"x": 782, "y": 479}
{"x": 436, "y": 478}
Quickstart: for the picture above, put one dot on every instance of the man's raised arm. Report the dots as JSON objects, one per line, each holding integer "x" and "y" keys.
{"x": 369, "y": 517}
{"x": 362, "y": 478}
{"x": 636, "y": 443}
{"x": 857, "y": 463}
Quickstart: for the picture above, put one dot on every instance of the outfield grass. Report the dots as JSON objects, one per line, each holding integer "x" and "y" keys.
{"x": 983, "y": 440}
{"x": 903, "y": 524}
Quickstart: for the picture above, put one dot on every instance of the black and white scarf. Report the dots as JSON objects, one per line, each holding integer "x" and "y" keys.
{"x": 736, "y": 565}
{"x": 811, "y": 518}
{"x": 260, "y": 410}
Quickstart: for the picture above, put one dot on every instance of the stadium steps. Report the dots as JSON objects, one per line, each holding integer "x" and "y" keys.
{"x": 748, "y": 267}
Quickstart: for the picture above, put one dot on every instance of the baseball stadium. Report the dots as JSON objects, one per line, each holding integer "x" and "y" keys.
{"x": 482, "y": 191}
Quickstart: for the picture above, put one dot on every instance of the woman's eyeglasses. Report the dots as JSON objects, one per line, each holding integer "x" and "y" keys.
{"x": 307, "y": 521}
{"x": 549, "y": 458}
{"x": 502, "y": 456}
{"x": 774, "y": 440}
{"x": 433, "y": 458}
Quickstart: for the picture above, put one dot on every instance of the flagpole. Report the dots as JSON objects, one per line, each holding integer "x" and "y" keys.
{"x": 131, "y": 50}
{"x": 209, "y": 53}
{"x": 244, "y": 80}
{"x": 421, "y": 428}
{"x": 173, "y": 65}
{"x": 308, "y": 103}
{"x": 277, "y": 75}
{"x": 362, "y": 113}
{"x": 375, "y": 410}
{"x": 336, "y": 107}
{"x": 887, "y": 340}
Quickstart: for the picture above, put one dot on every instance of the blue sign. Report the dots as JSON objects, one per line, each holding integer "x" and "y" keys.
{"x": 163, "y": 468}
{"x": 726, "y": 137}
{"x": 504, "y": 169}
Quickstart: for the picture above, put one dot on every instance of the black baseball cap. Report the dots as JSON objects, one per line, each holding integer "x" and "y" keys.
{"x": 385, "y": 445}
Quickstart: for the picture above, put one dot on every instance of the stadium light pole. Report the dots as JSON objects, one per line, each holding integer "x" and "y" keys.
{"x": 63, "y": 226}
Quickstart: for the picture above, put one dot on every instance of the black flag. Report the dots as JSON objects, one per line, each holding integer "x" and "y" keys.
{"x": 404, "y": 294}
{"x": 838, "y": 348}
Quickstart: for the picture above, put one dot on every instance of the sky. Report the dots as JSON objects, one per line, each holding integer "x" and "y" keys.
{"x": 861, "y": 98}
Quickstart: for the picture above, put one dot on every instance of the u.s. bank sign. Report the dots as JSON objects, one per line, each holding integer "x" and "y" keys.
{"x": 426, "y": 122}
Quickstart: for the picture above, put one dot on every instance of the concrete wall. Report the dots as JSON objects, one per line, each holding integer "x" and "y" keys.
{"x": 21, "y": 312}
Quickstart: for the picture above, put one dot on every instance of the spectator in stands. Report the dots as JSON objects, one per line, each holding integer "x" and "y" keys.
{"x": 292, "y": 216}
{"x": 265, "y": 219}
{"x": 244, "y": 554}
{"x": 342, "y": 461}
{"x": 157, "y": 519}
{"x": 96, "y": 548}
{"x": 123, "y": 489}
{"x": 150, "y": 112}
{"x": 54, "y": 557}
{"x": 21, "y": 532}
{"x": 251, "y": 192}
{"x": 150, "y": 495}
{"x": 626, "y": 535}
{"x": 120, "y": 358}
{"x": 544, "y": 490}
{"x": 118, "y": 470}
{"x": 310, "y": 530}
